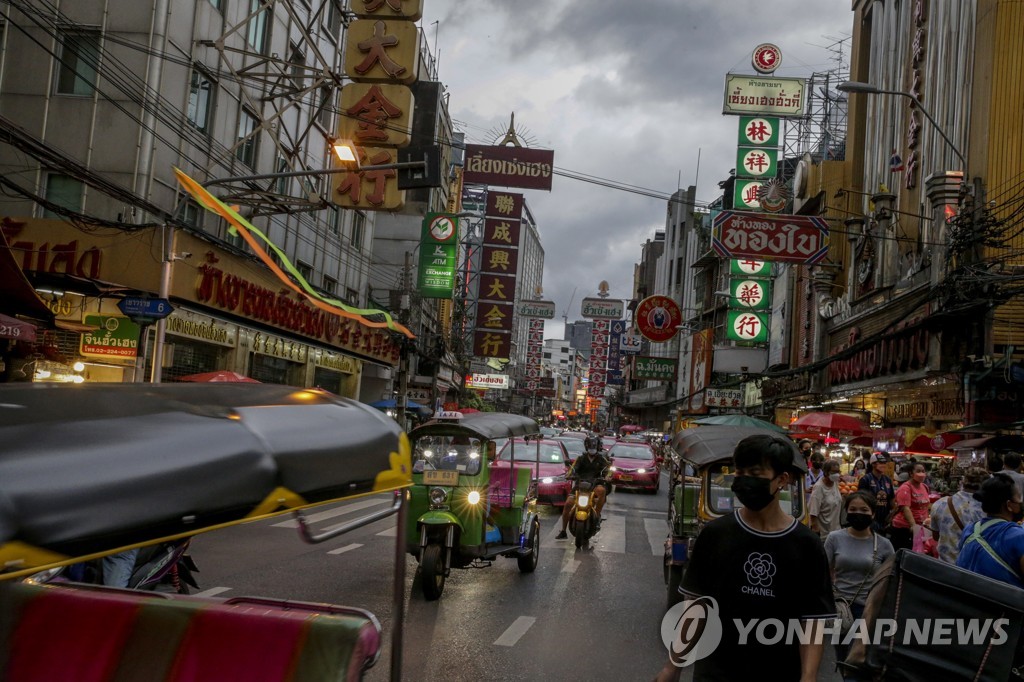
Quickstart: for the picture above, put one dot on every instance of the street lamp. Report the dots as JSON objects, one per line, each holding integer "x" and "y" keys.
{"x": 869, "y": 89}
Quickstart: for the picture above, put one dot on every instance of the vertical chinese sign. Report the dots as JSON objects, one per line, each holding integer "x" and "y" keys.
{"x": 749, "y": 300}
{"x": 615, "y": 359}
{"x": 499, "y": 265}
{"x": 382, "y": 58}
{"x": 701, "y": 358}
{"x": 757, "y": 161}
{"x": 439, "y": 246}
{"x": 534, "y": 352}
{"x": 601, "y": 338}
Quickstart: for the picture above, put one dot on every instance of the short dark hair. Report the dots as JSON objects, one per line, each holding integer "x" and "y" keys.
{"x": 775, "y": 451}
{"x": 830, "y": 464}
{"x": 995, "y": 492}
{"x": 862, "y": 495}
{"x": 1011, "y": 460}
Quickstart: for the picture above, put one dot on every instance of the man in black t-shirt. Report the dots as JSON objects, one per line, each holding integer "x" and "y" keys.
{"x": 881, "y": 486}
{"x": 760, "y": 565}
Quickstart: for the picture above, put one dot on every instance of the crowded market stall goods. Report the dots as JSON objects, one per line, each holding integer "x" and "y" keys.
{"x": 832, "y": 424}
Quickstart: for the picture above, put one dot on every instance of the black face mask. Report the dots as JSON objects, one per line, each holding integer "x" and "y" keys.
{"x": 859, "y": 520}
{"x": 753, "y": 492}
{"x": 1018, "y": 515}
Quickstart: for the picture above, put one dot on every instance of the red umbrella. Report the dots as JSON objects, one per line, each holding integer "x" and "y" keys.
{"x": 219, "y": 375}
{"x": 19, "y": 330}
{"x": 831, "y": 423}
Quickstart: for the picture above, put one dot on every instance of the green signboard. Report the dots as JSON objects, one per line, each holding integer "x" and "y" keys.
{"x": 439, "y": 251}
{"x": 746, "y": 326}
{"x": 745, "y": 195}
{"x": 115, "y": 337}
{"x": 750, "y": 294}
{"x": 748, "y": 267}
{"x": 757, "y": 162}
{"x": 759, "y": 131}
{"x": 655, "y": 369}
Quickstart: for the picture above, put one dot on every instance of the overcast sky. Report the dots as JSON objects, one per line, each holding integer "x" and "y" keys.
{"x": 629, "y": 91}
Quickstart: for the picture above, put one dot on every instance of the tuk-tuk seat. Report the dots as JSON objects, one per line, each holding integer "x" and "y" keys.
{"x": 499, "y": 492}
{"x": 99, "y": 635}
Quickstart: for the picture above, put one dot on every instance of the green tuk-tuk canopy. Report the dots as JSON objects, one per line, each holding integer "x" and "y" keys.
{"x": 706, "y": 444}
{"x": 483, "y": 425}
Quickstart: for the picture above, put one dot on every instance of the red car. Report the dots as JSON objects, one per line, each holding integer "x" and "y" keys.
{"x": 634, "y": 466}
{"x": 552, "y": 488}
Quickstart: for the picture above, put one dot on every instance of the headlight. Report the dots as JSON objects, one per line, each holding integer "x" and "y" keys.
{"x": 641, "y": 471}
{"x": 473, "y": 497}
{"x": 547, "y": 480}
{"x": 474, "y": 455}
{"x": 438, "y": 496}
{"x": 583, "y": 500}
{"x": 613, "y": 468}
{"x": 428, "y": 454}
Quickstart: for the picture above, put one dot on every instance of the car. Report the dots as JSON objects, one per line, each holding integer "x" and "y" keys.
{"x": 581, "y": 435}
{"x": 608, "y": 441}
{"x": 572, "y": 444}
{"x": 552, "y": 487}
{"x": 634, "y": 465}
{"x": 549, "y": 431}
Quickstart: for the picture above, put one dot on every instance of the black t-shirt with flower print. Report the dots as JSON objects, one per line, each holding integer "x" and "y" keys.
{"x": 775, "y": 577}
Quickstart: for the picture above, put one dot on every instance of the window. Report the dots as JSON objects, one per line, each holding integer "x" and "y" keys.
{"x": 332, "y": 19}
{"x": 305, "y": 269}
{"x": 282, "y": 185}
{"x": 325, "y": 115}
{"x": 256, "y": 31}
{"x": 79, "y": 57}
{"x": 63, "y": 191}
{"x": 191, "y": 214}
{"x": 330, "y": 285}
{"x": 246, "y": 151}
{"x": 353, "y": 296}
{"x": 333, "y": 220}
{"x": 216, "y": 4}
{"x": 358, "y": 226}
{"x": 547, "y": 356}
{"x": 298, "y": 67}
{"x": 200, "y": 100}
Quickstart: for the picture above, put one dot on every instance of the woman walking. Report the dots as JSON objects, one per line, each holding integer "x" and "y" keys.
{"x": 854, "y": 554}
{"x": 912, "y": 505}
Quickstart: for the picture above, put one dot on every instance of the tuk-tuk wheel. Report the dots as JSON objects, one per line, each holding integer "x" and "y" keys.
{"x": 432, "y": 571}
{"x": 528, "y": 563}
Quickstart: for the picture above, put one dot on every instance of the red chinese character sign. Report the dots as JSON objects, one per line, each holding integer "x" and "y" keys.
{"x": 495, "y": 309}
{"x": 599, "y": 358}
{"x": 745, "y": 326}
{"x": 750, "y": 267}
{"x": 750, "y": 294}
{"x": 791, "y": 239}
{"x": 376, "y": 114}
{"x": 657, "y": 318}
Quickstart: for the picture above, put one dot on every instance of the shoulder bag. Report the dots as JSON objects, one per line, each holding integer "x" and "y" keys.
{"x": 844, "y": 606}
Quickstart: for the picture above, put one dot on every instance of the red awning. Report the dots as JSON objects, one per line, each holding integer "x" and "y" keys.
{"x": 19, "y": 330}
{"x": 19, "y": 297}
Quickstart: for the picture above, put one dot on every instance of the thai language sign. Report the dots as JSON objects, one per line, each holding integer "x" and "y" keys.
{"x": 438, "y": 252}
{"x": 611, "y": 309}
{"x": 765, "y": 95}
{"x": 545, "y": 310}
{"x": 789, "y": 238}
{"x": 117, "y": 337}
{"x": 486, "y": 381}
{"x": 723, "y": 397}
{"x": 654, "y": 369}
{"x": 509, "y": 166}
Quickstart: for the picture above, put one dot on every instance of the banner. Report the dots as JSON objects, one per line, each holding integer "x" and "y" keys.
{"x": 509, "y": 167}
{"x": 439, "y": 245}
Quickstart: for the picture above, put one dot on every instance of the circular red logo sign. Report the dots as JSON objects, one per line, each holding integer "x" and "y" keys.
{"x": 657, "y": 318}
{"x": 766, "y": 58}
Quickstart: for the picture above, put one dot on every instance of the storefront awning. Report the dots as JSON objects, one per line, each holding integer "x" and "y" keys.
{"x": 1010, "y": 442}
{"x": 19, "y": 330}
{"x": 19, "y": 297}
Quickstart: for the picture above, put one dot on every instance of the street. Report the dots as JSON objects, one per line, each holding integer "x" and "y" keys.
{"x": 581, "y": 615}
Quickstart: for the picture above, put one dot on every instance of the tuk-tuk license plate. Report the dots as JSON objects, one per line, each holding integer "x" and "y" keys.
{"x": 440, "y": 477}
{"x": 625, "y": 478}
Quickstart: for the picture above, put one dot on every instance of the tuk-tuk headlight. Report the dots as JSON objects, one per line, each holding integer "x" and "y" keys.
{"x": 613, "y": 468}
{"x": 438, "y": 496}
{"x": 473, "y": 497}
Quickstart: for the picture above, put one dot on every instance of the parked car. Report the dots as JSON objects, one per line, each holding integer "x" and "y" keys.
{"x": 549, "y": 431}
{"x": 573, "y": 445}
{"x": 549, "y": 474}
{"x": 634, "y": 466}
{"x": 608, "y": 441}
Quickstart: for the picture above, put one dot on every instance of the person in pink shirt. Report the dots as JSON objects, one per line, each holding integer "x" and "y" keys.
{"x": 912, "y": 505}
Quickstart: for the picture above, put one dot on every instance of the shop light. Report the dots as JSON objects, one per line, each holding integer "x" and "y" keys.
{"x": 78, "y": 366}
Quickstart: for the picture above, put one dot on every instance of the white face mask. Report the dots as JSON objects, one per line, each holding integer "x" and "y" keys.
{"x": 834, "y": 478}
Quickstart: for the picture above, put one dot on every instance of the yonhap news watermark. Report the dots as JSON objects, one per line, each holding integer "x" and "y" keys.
{"x": 693, "y": 629}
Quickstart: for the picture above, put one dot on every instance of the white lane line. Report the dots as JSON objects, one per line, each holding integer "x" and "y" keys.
{"x": 213, "y": 591}
{"x": 657, "y": 531}
{"x": 570, "y": 565}
{"x": 612, "y": 537}
{"x": 346, "y": 548}
{"x": 389, "y": 533}
{"x": 331, "y": 513}
{"x": 515, "y": 631}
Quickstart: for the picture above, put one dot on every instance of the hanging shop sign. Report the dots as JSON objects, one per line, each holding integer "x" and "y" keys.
{"x": 509, "y": 166}
{"x": 599, "y": 339}
{"x": 750, "y": 294}
{"x": 602, "y": 308}
{"x": 723, "y": 397}
{"x": 201, "y": 328}
{"x": 410, "y": 10}
{"x": 744, "y": 326}
{"x": 374, "y": 189}
{"x": 439, "y": 244}
{"x": 792, "y": 239}
{"x": 657, "y": 317}
{"x": 115, "y": 337}
{"x": 376, "y": 114}
{"x": 759, "y": 131}
{"x": 654, "y": 369}
{"x": 492, "y": 344}
{"x": 701, "y": 362}
{"x": 764, "y": 95}
{"x": 746, "y": 194}
{"x": 756, "y": 162}
{"x": 501, "y": 204}
{"x": 382, "y": 51}
{"x": 544, "y": 310}
{"x": 630, "y": 344}
{"x": 774, "y": 388}
{"x": 766, "y": 58}
{"x": 901, "y": 350}
{"x": 750, "y": 267}
{"x": 487, "y": 381}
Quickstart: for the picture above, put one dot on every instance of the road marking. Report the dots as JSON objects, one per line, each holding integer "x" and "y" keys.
{"x": 346, "y": 548}
{"x": 515, "y": 631}
{"x": 612, "y": 537}
{"x": 390, "y": 532}
{"x": 213, "y": 591}
{"x": 331, "y": 513}
{"x": 571, "y": 565}
{"x": 657, "y": 531}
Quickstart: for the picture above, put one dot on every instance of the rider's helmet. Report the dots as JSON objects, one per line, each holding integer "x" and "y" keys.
{"x": 592, "y": 444}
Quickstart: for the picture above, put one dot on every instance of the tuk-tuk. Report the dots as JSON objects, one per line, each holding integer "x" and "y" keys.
{"x": 700, "y": 490}
{"x": 93, "y": 470}
{"x": 463, "y": 510}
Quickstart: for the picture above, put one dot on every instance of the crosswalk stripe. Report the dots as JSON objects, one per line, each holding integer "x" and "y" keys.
{"x": 657, "y": 531}
{"x": 515, "y": 631}
{"x": 213, "y": 591}
{"x": 346, "y": 548}
{"x": 389, "y": 532}
{"x": 332, "y": 513}
{"x": 612, "y": 537}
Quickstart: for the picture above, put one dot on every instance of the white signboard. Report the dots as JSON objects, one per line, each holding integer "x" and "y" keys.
{"x": 602, "y": 308}
{"x": 486, "y": 381}
{"x": 629, "y": 344}
{"x": 544, "y": 310}
{"x": 764, "y": 95}
{"x": 723, "y": 397}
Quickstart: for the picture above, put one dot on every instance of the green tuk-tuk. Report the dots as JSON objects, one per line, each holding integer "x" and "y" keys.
{"x": 465, "y": 507}
{"x": 700, "y": 490}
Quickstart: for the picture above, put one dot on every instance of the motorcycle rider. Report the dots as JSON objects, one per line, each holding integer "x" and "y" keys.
{"x": 589, "y": 466}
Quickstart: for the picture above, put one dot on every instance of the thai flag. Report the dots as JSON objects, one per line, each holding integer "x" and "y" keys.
{"x": 895, "y": 163}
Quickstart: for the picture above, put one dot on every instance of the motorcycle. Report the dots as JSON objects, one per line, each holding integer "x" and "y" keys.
{"x": 583, "y": 518}
{"x": 166, "y": 568}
